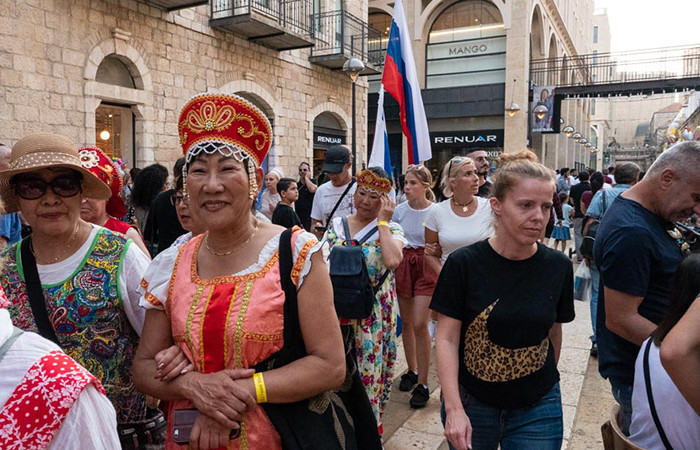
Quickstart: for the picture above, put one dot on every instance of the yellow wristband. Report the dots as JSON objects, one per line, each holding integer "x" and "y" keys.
{"x": 260, "y": 391}
{"x": 382, "y": 222}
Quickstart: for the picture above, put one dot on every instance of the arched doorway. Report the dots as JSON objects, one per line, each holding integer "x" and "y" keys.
{"x": 466, "y": 46}
{"x": 328, "y": 130}
{"x": 114, "y": 121}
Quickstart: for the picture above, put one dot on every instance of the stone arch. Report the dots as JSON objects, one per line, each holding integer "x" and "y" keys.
{"x": 537, "y": 43}
{"x": 261, "y": 98}
{"x": 126, "y": 53}
{"x": 553, "y": 62}
{"x": 343, "y": 117}
{"x": 138, "y": 99}
{"x": 259, "y": 93}
{"x": 385, "y": 8}
{"x": 436, "y": 7}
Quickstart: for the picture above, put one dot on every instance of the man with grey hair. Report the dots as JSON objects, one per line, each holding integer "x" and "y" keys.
{"x": 637, "y": 252}
{"x": 10, "y": 224}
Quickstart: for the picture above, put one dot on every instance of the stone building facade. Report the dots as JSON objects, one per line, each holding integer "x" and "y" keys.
{"x": 473, "y": 58}
{"x": 115, "y": 73}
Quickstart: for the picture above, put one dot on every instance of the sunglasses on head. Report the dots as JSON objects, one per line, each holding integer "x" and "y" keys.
{"x": 34, "y": 188}
{"x": 455, "y": 159}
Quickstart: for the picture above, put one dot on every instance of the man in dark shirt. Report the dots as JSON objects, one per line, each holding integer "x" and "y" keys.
{"x": 636, "y": 257}
{"x": 481, "y": 161}
{"x": 284, "y": 214}
{"x": 162, "y": 224}
{"x": 307, "y": 188}
{"x": 575, "y": 195}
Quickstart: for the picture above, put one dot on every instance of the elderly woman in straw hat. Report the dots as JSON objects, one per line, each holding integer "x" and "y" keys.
{"x": 73, "y": 282}
{"x": 243, "y": 295}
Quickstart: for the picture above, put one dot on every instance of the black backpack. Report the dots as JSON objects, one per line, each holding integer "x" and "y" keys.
{"x": 353, "y": 291}
{"x": 588, "y": 240}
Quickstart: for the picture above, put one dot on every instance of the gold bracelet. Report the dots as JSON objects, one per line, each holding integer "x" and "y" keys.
{"x": 260, "y": 391}
{"x": 382, "y": 222}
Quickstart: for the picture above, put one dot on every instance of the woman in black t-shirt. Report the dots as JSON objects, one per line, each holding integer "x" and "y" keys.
{"x": 501, "y": 303}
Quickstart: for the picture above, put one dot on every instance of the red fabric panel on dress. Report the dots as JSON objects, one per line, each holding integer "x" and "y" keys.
{"x": 214, "y": 327}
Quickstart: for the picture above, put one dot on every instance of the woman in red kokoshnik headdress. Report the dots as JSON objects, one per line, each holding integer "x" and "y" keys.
{"x": 219, "y": 297}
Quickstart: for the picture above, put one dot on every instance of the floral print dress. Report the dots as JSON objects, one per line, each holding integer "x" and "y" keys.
{"x": 375, "y": 336}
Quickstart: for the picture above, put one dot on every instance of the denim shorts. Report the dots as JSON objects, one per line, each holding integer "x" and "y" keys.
{"x": 537, "y": 427}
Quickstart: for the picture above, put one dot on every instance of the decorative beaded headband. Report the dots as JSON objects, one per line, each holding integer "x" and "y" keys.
{"x": 369, "y": 180}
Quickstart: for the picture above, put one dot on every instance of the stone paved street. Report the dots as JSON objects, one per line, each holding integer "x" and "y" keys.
{"x": 586, "y": 398}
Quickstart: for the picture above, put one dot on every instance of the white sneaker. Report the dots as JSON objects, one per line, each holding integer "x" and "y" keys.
{"x": 432, "y": 328}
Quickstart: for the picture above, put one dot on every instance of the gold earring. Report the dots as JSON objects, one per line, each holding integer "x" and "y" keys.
{"x": 252, "y": 182}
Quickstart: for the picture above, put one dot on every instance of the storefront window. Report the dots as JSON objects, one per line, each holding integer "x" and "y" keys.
{"x": 114, "y": 132}
{"x": 466, "y": 46}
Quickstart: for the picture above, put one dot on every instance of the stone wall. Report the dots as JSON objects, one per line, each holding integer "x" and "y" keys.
{"x": 50, "y": 51}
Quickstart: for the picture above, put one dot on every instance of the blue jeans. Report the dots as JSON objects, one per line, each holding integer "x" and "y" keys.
{"x": 538, "y": 427}
{"x": 622, "y": 391}
{"x": 595, "y": 284}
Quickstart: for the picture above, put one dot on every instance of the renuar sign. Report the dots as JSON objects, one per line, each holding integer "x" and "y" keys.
{"x": 467, "y": 139}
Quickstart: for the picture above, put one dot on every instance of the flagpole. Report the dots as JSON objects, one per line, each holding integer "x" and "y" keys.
{"x": 354, "y": 133}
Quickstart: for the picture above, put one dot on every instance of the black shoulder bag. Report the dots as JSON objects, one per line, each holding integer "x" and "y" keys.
{"x": 650, "y": 397}
{"x": 35, "y": 292}
{"x": 332, "y": 420}
{"x": 335, "y": 208}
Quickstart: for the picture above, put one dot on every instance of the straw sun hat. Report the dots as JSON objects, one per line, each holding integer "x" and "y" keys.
{"x": 45, "y": 150}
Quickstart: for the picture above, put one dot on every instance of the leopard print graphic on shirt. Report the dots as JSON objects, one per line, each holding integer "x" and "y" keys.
{"x": 491, "y": 362}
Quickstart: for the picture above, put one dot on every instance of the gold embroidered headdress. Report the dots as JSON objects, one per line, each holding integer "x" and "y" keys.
{"x": 225, "y": 124}
{"x": 371, "y": 181}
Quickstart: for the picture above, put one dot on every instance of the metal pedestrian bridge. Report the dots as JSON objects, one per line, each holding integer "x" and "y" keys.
{"x": 638, "y": 72}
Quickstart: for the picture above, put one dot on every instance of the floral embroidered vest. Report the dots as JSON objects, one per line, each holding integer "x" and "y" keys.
{"x": 88, "y": 317}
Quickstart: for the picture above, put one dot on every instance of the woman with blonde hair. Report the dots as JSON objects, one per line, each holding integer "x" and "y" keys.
{"x": 499, "y": 342}
{"x": 462, "y": 219}
{"x": 415, "y": 282}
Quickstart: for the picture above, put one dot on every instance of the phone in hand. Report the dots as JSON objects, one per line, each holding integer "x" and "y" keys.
{"x": 183, "y": 422}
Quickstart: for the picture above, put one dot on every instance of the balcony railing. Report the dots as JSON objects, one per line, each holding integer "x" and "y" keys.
{"x": 278, "y": 24}
{"x": 174, "y": 5}
{"x": 339, "y": 35}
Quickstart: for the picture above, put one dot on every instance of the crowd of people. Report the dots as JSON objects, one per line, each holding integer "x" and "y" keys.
{"x": 206, "y": 311}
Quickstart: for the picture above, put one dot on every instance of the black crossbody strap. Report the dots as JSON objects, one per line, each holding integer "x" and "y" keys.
{"x": 292, "y": 328}
{"x": 368, "y": 235}
{"x": 330, "y": 217}
{"x": 652, "y": 405}
{"x": 35, "y": 292}
{"x": 346, "y": 228}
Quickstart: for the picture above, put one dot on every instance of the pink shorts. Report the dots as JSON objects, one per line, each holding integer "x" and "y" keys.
{"x": 413, "y": 278}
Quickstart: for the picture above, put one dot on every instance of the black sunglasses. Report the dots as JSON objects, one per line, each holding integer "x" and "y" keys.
{"x": 34, "y": 188}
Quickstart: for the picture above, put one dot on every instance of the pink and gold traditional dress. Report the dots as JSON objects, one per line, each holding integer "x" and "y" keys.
{"x": 227, "y": 322}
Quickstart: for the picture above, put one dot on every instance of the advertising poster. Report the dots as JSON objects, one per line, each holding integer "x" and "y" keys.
{"x": 543, "y": 95}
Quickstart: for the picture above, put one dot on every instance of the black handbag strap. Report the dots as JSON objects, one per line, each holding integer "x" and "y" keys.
{"x": 292, "y": 327}
{"x": 330, "y": 217}
{"x": 652, "y": 405}
{"x": 35, "y": 292}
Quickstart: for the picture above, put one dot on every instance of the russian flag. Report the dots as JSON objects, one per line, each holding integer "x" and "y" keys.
{"x": 380, "y": 156}
{"x": 401, "y": 81}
